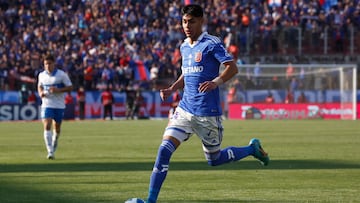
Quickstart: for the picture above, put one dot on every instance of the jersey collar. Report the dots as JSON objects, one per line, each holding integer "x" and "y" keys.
{"x": 187, "y": 40}
{"x": 53, "y": 72}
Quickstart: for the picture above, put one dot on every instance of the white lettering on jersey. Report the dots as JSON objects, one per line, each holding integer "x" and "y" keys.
{"x": 193, "y": 69}
{"x": 190, "y": 57}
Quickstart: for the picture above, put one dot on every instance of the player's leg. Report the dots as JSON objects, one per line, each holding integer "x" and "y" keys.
{"x": 81, "y": 110}
{"x": 105, "y": 112}
{"x": 47, "y": 114}
{"x": 161, "y": 166}
{"x": 56, "y": 135}
{"x": 259, "y": 152}
{"x": 128, "y": 110}
{"x": 210, "y": 131}
{"x": 232, "y": 153}
{"x": 59, "y": 114}
{"x": 110, "y": 112}
{"x": 132, "y": 112}
{"x": 227, "y": 155}
{"x": 176, "y": 132}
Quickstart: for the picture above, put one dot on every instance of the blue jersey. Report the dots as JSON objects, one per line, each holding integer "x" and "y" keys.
{"x": 201, "y": 62}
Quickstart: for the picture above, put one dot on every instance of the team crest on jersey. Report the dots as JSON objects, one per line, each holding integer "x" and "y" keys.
{"x": 198, "y": 56}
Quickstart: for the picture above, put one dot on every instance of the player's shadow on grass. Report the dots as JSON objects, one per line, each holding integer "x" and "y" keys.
{"x": 177, "y": 165}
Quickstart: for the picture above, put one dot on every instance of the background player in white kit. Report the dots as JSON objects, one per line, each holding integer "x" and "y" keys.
{"x": 52, "y": 84}
{"x": 199, "y": 110}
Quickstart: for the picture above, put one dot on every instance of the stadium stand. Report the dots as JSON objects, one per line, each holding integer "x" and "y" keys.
{"x": 121, "y": 41}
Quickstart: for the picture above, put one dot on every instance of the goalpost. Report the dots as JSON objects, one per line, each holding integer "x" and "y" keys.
{"x": 348, "y": 91}
{"x": 320, "y": 83}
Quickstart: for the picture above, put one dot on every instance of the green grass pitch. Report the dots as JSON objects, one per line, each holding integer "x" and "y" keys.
{"x": 111, "y": 161}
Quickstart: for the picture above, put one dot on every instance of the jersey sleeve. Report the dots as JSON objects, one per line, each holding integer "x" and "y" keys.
{"x": 66, "y": 80}
{"x": 220, "y": 53}
{"x": 40, "y": 80}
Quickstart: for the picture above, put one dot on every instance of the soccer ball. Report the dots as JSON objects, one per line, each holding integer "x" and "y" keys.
{"x": 134, "y": 200}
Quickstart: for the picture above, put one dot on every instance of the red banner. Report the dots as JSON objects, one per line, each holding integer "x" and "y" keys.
{"x": 141, "y": 71}
{"x": 290, "y": 111}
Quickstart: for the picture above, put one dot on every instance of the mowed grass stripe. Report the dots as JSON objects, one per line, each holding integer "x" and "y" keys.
{"x": 111, "y": 161}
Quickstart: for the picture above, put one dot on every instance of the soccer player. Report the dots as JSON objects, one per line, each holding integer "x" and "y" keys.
{"x": 199, "y": 110}
{"x": 52, "y": 84}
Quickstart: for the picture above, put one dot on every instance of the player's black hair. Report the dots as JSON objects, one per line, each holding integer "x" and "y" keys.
{"x": 49, "y": 57}
{"x": 194, "y": 10}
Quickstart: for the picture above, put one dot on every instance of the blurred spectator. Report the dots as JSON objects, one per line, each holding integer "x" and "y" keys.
{"x": 232, "y": 96}
{"x": 130, "y": 101}
{"x": 257, "y": 76}
{"x": 269, "y": 98}
{"x": 69, "y": 112}
{"x": 289, "y": 72}
{"x": 289, "y": 98}
{"x": 81, "y": 101}
{"x": 32, "y": 99}
{"x": 294, "y": 84}
{"x": 339, "y": 40}
{"x": 124, "y": 73}
{"x": 302, "y": 98}
{"x": 23, "y": 95}
{"x": 107, "y": 75}
{"x": 89, "y": 77}
{"x": 154, "y": 75}
{"x": 275, "y": 83}
{"x": 69, "y": 98}
{"x": 107, "y": 100}
{"x": 4, "y": 76}
{"x": 138, "y": 103}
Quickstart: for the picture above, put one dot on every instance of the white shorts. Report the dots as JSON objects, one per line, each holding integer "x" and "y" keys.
{"x": 208, "y": 128}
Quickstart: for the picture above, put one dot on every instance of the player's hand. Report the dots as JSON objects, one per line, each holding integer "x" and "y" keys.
{"x": 165, "y": 93}
{"x": 44, "y": 93}
{"x": 207, "y": 86}
{"x": 52, "y": 89}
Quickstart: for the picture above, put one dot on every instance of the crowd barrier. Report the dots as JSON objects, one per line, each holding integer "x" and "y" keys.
{"x": 153, "y": 107}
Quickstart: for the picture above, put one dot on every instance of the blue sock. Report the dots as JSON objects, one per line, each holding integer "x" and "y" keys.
{"x": 231, "y": 154}
{"x": 160, "y": 169}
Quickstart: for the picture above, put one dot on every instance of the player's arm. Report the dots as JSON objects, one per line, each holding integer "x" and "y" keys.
{"x": 60, "y": 90}
{"x": 40, "y": 87}
{"x": 178, "y": 84}
{"x": 68, "y": 87}
{"x": 41, "y": 91}
{"x": 229, "y": 72}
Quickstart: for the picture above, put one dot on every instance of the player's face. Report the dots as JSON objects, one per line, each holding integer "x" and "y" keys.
{"x": 192, "y": 26}
{"x": 48, "y": 65}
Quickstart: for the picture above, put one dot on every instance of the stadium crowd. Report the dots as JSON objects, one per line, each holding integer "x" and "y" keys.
{"x": 100, "y": 43}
